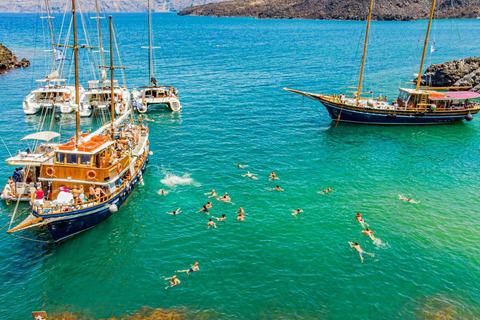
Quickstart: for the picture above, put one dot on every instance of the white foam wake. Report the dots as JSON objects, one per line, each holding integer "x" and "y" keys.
{"x": 172, "y": 180}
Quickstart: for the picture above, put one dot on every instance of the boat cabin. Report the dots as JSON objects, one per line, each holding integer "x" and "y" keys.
{"x": 430, "y": 100}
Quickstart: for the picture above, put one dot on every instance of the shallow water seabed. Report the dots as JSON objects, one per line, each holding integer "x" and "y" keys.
{"x": 234, "y": 110}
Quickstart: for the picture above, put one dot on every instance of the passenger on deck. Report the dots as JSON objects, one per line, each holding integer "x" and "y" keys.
{"x": 64, "y": 196}
{"x": 74, "y": 192}
{"x": 7, "y": 194}
{"x": 81, "y": 194}
{"x": 99, "y": 192}
{"x": 91, "y": 192}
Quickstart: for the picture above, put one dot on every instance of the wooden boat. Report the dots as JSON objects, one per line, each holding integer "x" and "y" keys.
{"x": 110, "y": 160}
{"x": 154, "y": 96}
{"x": 414, "y": 106}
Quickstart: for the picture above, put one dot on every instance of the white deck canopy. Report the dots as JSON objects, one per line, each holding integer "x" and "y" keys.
{"x": 43, "y": 136}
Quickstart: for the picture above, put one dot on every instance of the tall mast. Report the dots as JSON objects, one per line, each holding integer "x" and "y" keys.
{"x": 100, "y": 40}
{"x": 52, "y": 33}
{"x": 365, "y": 44}
{"x": 425, "y": 46}
{"x": 75, "y": 54}
{"x": 150, "y": 55}
{"x": 112, "y": 94}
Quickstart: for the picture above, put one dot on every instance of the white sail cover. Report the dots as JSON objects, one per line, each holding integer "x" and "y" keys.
{"x": 53, "y": 75}
{"x": 43, "y": 136}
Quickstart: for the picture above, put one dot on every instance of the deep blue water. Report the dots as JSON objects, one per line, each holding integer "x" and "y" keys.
{"x": 230, "y": 73}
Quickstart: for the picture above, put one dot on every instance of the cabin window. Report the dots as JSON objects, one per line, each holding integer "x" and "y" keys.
{"x": 85, "y": 159}
{"x": 72, "y": 158}
{"x": 61, "y": 157}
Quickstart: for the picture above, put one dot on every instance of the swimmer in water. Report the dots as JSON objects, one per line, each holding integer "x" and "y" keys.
{"x": 326, "y": 191}
{"x": 212, "y": 194}
{"x": 173, "y": 281}
{"x": 175, "y": 212}
{"x": 296, "y": 212}
{"x": 407, "y": 199}
{"x": 359, "y": 249}
{"x": 241, "y": 217}
{"x": 220, "y": 219}
{"x": 193, "y": 268}
{"x": 210, "y": 223}
{"x": 209, "y": 205}
{"x": 240, "y": 211}
{"x": 250, "y": 175}
{"x": 226, "y": 198}
{"x": 241, "y": 166}
{"x": 273, "y": 176}
{"x": 204, "y": 209}
{"x": 277, "y": 188}
{"x": 162, "y": 192}
{"x": 369, "y": 233}
{"x": 359, "y": 218}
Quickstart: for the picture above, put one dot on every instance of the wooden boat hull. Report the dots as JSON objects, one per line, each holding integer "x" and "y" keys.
{"x": 84, "y": 219}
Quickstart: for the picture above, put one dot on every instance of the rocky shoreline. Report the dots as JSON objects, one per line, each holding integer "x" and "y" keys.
{"x": 458, "y": 73}
{"x": 9, "y": 61}
{"x": 385, "y": 10}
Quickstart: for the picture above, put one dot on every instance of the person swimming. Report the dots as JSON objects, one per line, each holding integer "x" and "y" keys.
{"x": 296, "y": 212}
{"x": 273, "y": 176}
{"x": 250, "y": 175}
{"x": 241, "y": 166}
{"x": 220, "y": 219}
{"x": 359, "y": 249}
{"x": 210, "y": 223}
{"x": 359, "y": 219}
{"x": 407, "y": 199}
{"x": 173, "y": 281}
{"x": 241, "y": 217}
{"x": 212, "y": 194}
{"x": 175, "y": 212}
{"x": 162, "y": 192}
{"x": 277, "y": 188}
{"x": 204, "y": 209}
{"x": 226, "y": 198}
{"x": 369, "y": 233}
{"x": 326, "y": 191}
{"x": 193, "y": 268}
{"x": 209, "y": 205}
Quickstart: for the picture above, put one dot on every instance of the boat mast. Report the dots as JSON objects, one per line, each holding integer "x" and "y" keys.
{"x": 100, "y": 40}
{"x": 112, "y": 94}
{"x": 150, "y": 54}
{"x": 425, "y": 46}
{"x": 365, "y": 44}
{"x": 52, "y": 34}
{"x": 77, "y": 93}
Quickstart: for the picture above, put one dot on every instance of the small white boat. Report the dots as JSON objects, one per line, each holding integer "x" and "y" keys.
{"x": 53, "y": 94}
{"x": 98, "y": 96}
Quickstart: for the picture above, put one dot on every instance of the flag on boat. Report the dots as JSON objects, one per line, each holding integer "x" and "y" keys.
{"x": 39, "y": 315}
{"x": 59, "y": 55}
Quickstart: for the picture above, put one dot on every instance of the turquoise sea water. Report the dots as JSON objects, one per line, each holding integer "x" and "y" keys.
{"x": 273, "y": 265}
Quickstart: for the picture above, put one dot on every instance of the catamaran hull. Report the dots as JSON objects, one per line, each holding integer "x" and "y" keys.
{"x": 82, "y": 220}
{"x": 366, "y": 117}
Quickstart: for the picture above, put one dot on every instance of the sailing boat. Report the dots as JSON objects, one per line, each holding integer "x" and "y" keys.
{"x": 414, "y": 106}
{"x": 154, "y": 95}
{"x": 53, "y": 91}
{"x": 108, "y": 162}
{"x": 98, "y": 94}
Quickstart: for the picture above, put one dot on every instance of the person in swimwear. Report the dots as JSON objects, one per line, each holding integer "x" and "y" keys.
{"x": 220, "y": 219}
{"x": 212, "y": 194}
{"x": 250, "y": 175}
{"x": 209, "y": 205}
{"x": 277, "y": 188}
{"x": 173, "y": 281}
{"x": 175, "y": 212}
{"x": 359, "y": 249}
{"x": 241, "y": 217}
{"x": 162, "y": 192}
{"x": 325, "y": 191}
{"x": 359, "y": 218}
{"x": 210, "y": 223}
{"x": 407, "y": 199}
{"x": 242, "y": 166}
{"x": 296, "y": 212}
{"x": 240, "y": 211}
{"x": 225, "y": 198}
{"x": 273, "y": 176}
{"x": 193, "y": 268}
{"x": 369, "y": 233}
{"x": 204, "y": 209}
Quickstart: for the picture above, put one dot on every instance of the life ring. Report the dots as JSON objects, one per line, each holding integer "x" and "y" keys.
{"x": 91, "y": 175}
{"x": 50, "y": 171}
{"x": 119, "y": 167}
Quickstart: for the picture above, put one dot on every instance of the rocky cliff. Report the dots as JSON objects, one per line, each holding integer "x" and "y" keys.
{"x": 8, "y": 60}
{"x": 464, "y": 72}
{"x": 107, "y": 6}
{"x": 336, "y": 9}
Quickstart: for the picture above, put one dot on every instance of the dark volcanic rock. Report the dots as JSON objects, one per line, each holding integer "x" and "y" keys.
{"x": 8, "y": 60}
{"x": 336, "y": 9}
{"x": 458, "y": 73}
